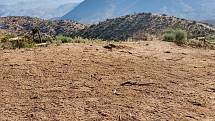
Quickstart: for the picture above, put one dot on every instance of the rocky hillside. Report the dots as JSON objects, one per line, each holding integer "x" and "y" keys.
{"x": 128, "y": 26}
{"x": 24, "y": 25}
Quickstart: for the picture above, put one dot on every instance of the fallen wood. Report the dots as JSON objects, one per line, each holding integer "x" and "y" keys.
{"x": 42, "y": 45}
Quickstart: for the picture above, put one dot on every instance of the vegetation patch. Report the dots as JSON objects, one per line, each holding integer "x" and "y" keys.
{"x": 200, "y": 44}
{"x": 169, "y": 37}
{"x": 14, "y": 43}
{"x": 211, "y": 39}
{"x": 178, "y": 36}
{"x": 5, "y": 37}
{"x": 8, "y": 41}
{"x": 64, "y": 39}
{"x": 67, "y": 39}
{"x": 11, "y": 42}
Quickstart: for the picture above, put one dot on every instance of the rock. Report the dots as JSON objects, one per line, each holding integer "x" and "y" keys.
{"x": 110, "y": 46}
{"x": 167, "y": 52}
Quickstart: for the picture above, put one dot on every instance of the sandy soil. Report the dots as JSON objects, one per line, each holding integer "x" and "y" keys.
{"x": 142, "y": 81}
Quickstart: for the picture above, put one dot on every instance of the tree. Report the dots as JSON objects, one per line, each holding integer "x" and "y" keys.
{"x": 36, "y": 30}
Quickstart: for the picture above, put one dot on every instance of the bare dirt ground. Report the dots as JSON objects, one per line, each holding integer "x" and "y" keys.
{"x": 142, "y": 81}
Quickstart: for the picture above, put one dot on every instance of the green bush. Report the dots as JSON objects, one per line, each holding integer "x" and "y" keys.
{"x": 5, "y": 37}
{"x": 211, "y": 38}
{"x": 169, "y": 37}
{"x": 64, "y": 39}
{"x": 19, "y": 43}
{"x": 79, "y": 40}
{"x": 25, "y": 43}
{"x": 178, "y": 36}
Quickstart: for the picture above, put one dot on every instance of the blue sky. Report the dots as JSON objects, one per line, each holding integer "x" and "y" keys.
{"x": 15, "y": 1}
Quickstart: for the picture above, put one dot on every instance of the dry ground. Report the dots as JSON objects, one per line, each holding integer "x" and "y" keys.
{"x": 142, "y": 81}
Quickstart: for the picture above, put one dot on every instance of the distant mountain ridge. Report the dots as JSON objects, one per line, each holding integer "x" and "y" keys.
{"x": 91, "y": 11}
{"x": 45, "y": 9}
{"x": 211, "y": 22}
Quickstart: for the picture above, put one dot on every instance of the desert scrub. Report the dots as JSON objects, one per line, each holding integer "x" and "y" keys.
{"x": 5, "y": 37}
{"x": 66, "y": 39}
{"x": 80, "y": 40}
{"x": 178, "y": 36}
{"x": 200, "y": 44}
{"x": 63, "y": 39}
{"x": 25, "y": 43}
{"x": 18, "y": 42}
{"x": 169, "y": 37}
{"x": 211, "y": 39}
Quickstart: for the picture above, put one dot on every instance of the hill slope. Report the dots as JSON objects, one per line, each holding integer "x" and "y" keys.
{"x": 24, "y": 25}
{"x": 91, "y": 11}
{"x": 127, "y": 26}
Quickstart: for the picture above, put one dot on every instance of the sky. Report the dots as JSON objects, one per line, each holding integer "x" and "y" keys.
{"x": 15, "y": 1}
{"x": 37, "y": 8}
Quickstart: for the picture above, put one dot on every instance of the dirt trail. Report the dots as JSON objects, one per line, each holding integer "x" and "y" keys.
{"x": 145, "y": 81}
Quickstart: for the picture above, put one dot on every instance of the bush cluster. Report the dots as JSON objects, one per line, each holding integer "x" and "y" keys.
{"x": 11, "y": 42}
{"x": 63, "y": 39}
{"x": 178, "y": 36}
{"x": 66, "y": 39}
{"x": 211, "y": 38}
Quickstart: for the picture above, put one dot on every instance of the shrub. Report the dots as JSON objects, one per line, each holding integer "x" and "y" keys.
{"x": 5, "y": 37}
{"x": 18, "y": 43}
{"x": 25, "y": 43}
{"x": 49, "y": 39}
{"x": 211, "y": 38}
{"x": 169, "y": 37}
{"x": 78, "y": 41}
{"x": 178, "y": 36}
{"x": 64, "y": 39}
{"x": 164, "y": 14}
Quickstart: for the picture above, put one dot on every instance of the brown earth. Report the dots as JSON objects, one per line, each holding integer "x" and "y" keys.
{"x": 141, "y": 81}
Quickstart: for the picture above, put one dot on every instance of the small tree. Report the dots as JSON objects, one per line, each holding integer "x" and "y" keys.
{"x": 36, "y": 30}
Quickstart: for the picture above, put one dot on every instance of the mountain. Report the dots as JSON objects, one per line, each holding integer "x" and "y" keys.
{"x": 62, "y": 9}
{"x": 23, "y": 25}
{"x": 91, "y": 11}
{"x": 45, "y": 9}
{"x": 136, "y": 25}
{"x": 210, "y": 22}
